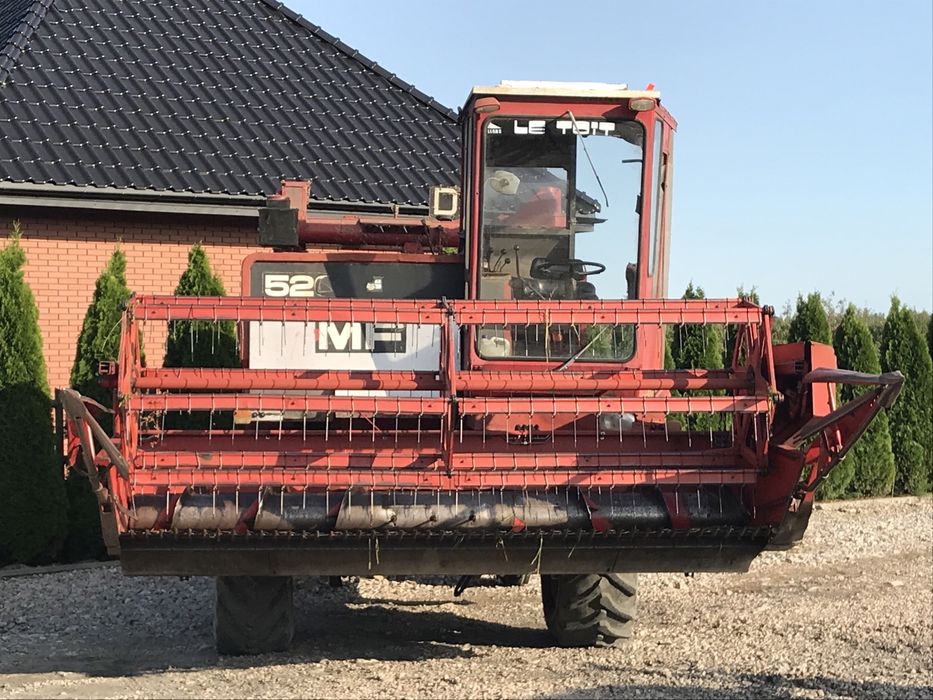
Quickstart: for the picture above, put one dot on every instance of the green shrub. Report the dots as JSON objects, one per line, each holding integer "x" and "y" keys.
{"x": 930, "y": 336}
{"x": 696, "y": 347}
{"x": 731, "y": 330}
{"x": 903, "y": 348}
{"x": 810, "y": 321}
{"x": 200, "y": 343}
{"x": 98, "y": 341}
{"x": 868, "y": 468}
{"x": 33, "y": 509}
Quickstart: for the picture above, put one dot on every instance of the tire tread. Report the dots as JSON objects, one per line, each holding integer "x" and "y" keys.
{"x": 590, "y": 609}
{"x": 254, "y": 614}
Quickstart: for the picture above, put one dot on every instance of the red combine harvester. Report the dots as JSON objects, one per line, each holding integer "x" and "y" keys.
{"x": 481, "y": 391}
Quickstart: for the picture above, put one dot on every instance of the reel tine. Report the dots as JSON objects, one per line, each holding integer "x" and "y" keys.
{"x": 350, "y": 423}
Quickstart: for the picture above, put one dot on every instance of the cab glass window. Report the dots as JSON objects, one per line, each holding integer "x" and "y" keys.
{"x": 559, "y": 221}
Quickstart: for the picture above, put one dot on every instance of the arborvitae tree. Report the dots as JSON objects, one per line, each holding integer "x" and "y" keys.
{"x": 668, "y": 340}
{"x": 810, "y": 322}
{"x": 98, "y": 341}
{"x": 903, "y": 348}
{"x": 32, "y": 496}
{"x": 200, "y": 343}
{"x": 780, "y": 330}
{"x": 868, "y": 468}
{"x": 731, "y": 330}
{"x": 697, "y": 347}
{"x": 930, "y": 337}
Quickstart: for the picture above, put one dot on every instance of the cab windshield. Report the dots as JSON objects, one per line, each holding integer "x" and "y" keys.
{"x": 560, "y": 222}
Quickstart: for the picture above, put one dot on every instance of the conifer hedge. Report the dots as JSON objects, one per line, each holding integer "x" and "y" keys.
{"x": 904, "y": 348}
{"x": 871, "y": 459}
{"x": 32, "y": 496}
{"x": 98, "y": 341}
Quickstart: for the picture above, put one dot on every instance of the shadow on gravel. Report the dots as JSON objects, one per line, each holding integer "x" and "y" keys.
{"x": 330, "y": 625}
{"x": 403, "y": 630}
{"x": 749, "y": 685}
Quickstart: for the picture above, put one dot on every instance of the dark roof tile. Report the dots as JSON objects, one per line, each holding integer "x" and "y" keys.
{"x": 209, "y": 96}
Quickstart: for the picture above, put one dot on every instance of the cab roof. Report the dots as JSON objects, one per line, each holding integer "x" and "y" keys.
{"x": 551, "y": 88}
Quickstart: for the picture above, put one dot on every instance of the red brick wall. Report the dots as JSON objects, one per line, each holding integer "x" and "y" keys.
{"x": 66, "y": 251}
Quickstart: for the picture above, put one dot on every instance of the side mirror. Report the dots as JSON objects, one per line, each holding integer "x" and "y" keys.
{"x": 631, "y": 281}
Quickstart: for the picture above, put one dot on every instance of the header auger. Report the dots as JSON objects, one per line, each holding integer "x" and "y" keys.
{"x": 477, "y": 395}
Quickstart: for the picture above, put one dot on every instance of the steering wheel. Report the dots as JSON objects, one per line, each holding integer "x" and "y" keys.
{"x": 572, "y": 268}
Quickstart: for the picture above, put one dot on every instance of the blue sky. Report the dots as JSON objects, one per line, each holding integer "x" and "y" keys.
{"x": 804, "y": 155}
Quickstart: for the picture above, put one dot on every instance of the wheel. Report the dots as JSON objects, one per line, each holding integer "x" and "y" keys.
{"x": 514, "y": 579}
{"x": 590, "y": 609}
{"x": 254, "y": 614}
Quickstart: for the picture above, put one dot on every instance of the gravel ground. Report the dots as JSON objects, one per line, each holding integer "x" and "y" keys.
{"x": 849, "y": 613}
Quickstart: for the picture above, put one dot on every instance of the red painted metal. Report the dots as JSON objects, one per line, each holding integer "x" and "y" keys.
{"x": 431, "y": 442}
{"x": 486, "y": 423}
{"x": 364, "y": 231}
{"x": 386, "y": 450}
{"x": 391, "y": 405}
{"x": 284, "y": 380}
{"x": 638, "y": 405}
{"x": 174, "y": 379}
{"x": 583, "y": 478}
{"x": 652, "y": 312}
{"x": 368, "y": 405}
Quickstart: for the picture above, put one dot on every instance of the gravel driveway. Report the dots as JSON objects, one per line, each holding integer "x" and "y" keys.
{"x": 849, "y": 613}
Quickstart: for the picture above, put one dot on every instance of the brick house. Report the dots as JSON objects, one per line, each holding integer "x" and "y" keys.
{"x": 159, "y": 123}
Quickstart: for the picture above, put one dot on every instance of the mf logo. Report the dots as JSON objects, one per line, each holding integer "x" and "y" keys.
{"x": 360, "y": 337}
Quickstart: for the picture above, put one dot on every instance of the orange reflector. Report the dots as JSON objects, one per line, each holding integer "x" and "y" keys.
{"x": 485, "y": 105}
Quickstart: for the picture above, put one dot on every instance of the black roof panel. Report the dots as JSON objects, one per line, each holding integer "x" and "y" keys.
{"x": 209, "y": 96}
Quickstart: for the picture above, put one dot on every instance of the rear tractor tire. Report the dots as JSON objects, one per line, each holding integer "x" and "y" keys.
{"x": 590, "y": 610}
{"x": 254, "y": 614}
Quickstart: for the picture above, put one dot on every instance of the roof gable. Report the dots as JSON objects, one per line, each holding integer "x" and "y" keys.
{"x": 209, "y": 96}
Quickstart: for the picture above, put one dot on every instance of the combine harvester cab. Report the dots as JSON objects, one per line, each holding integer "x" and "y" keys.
{"x": 477, "y": 392}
